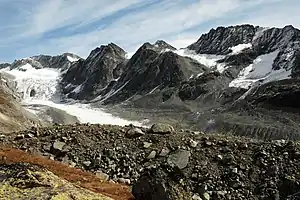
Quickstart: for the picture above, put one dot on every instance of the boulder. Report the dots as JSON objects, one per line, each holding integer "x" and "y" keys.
{"x": 160, "y": 128}
{"x": 180, "y": 158}
{"x": 57, "y": 145}
{"x": 134, "y": 133}
{"x": 161, "y": 183}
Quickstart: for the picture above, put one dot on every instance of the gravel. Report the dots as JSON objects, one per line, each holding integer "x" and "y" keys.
{"x": 221, "y": 167}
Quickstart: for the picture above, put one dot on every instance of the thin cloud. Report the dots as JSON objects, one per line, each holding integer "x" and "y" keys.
{"x": 57, "y": 26}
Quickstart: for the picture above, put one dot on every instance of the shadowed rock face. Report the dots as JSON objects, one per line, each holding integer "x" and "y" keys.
{"x": 59, "y": 62}
{"x": 218, "y": 41}
{"x": 280, "y": 94}
{"x": 286, "y": 41}
{"x": 150, "y": 69}
{"x": 103, "y": 65}
{"x": 4, "y": 65}
{"x": 106, "y": 73}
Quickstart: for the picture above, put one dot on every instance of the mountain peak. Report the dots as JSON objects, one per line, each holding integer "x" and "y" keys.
{"x": 110, "y": 48}
{"x": 164, "y": 45}
{"x": 218, "y": 41}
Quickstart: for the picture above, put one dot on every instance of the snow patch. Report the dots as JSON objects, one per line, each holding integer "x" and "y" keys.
{"x": 26, "y": 67}
{"x": 129, "y": 55}
{"x": 261, "y": 70}
{"x": 289, "y": 55}
{"x": 204, "y": 59}
{"x": 154, "y": 89}
{"x": 239, "y": 48}
{"x": 200, "y": 74}
{"x": 72, "y": 59}
{"x": 77, "y": 89}
{"x": 111, "y": 93}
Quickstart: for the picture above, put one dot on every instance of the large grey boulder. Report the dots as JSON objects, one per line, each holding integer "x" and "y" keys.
{"x": 160, "y": 128}
{"x": 161, "y": 183}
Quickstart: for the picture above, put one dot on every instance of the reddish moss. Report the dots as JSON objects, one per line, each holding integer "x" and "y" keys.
{"x": 77, "y": 176}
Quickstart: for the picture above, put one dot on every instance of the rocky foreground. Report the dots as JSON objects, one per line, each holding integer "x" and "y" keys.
{"x": 25, "y": 181}
{"x": 161, "y": 163}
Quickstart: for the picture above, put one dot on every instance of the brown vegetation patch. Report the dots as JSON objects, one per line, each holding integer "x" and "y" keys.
{"x": 76, "y": 176}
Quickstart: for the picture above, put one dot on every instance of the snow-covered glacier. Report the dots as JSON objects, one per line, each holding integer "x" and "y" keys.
{"x": 40, "y": 87}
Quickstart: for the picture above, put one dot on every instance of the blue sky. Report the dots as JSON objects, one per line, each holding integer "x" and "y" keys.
{"x": 32, "y": 27}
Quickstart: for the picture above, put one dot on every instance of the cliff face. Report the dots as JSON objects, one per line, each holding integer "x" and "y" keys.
{"x": 86, "y": 78}
{"x": 218, "y": 41}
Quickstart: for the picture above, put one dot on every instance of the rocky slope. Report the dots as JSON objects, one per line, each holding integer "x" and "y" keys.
{"x": 24, "y": 181}
{"x": 86, "y": 78}
{"x": 13, "y": 116}
{"x": 21, "y": 172}
{"x": 163, "y": 163}
{"x": 110, "y": 78}
{"x": 219, "y": 41}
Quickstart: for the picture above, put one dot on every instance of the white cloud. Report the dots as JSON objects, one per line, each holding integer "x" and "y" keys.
{"x": 278, "y": 15}
{"x": 54, "y": 14}
{"x": 176, "y": 21}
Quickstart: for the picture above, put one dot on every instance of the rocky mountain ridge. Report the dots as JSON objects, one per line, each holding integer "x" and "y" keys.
{"x": 62, "y": 62}
{"x": 212, "y": 79}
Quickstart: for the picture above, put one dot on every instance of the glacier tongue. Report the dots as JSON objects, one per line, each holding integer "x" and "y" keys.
{"x": 45, "y": 82}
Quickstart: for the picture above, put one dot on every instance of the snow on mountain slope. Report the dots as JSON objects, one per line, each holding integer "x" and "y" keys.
{"x": 261, "y": 70}
{"x": 205, "y": 59}
{"x": 239, "y": 48}
{"x": 72, "y": 59}
{"x": 44, "y": 83}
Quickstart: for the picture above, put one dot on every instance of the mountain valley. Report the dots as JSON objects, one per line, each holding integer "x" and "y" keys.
{"x": 218, "y": 119}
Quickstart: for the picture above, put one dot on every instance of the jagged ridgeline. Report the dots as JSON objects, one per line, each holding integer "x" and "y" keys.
{"x": 214, "y": 78}
{"x": 241, "y": 79}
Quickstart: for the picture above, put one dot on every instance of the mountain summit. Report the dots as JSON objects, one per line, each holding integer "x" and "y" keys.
{"x": 232, "y": 74}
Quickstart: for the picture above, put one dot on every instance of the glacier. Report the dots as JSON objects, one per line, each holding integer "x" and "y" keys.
{"x": 45, "y": 82}
{"x": 260, "y": 71}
